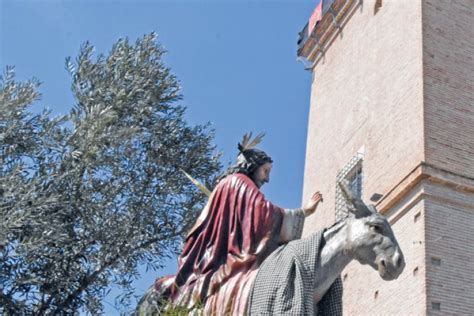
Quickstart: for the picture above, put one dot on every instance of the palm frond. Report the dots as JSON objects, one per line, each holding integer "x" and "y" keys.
{"x": 201, "y": 186}
{"x": 247, "y": 144}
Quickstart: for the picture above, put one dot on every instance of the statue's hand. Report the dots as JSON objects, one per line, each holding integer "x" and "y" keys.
{"x": 312, "y": 204}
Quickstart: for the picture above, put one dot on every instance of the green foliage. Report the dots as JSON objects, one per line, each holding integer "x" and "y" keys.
{"x": 198, "y": 310}
{"x": 88, "y": 197}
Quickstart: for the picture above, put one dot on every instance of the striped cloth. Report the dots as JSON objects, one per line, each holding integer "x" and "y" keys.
{"x": 284, "y": 284}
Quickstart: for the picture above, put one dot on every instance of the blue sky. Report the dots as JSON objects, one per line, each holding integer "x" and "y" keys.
{"x": 236, "y": 61}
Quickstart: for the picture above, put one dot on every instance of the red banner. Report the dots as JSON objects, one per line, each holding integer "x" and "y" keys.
{"x": 315, "y": 17}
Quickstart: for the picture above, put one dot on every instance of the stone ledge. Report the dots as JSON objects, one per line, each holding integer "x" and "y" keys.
{"x": 424, "y": 173}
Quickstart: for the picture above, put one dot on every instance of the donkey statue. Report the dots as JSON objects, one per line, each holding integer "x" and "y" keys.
{"x": 302, "y": 277}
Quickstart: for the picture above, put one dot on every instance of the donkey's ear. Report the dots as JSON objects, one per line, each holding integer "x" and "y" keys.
{"x": 372, "y": 208}
{"x": 354, "y": 203}
{"x": 346, "y": 191}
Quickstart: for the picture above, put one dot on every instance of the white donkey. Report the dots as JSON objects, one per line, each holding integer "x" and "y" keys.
{"x": 296, "y": 277}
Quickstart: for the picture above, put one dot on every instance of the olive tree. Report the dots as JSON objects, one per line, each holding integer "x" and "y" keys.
{"x": 88, "y": 197}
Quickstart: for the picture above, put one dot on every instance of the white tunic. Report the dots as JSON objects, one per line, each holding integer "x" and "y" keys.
{"x": 292, "y": 226}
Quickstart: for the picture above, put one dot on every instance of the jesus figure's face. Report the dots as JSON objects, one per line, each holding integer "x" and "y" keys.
{"x": 261, "y": 175}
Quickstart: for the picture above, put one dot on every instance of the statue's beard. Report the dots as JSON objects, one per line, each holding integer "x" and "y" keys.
{"x": 259, "y": 183}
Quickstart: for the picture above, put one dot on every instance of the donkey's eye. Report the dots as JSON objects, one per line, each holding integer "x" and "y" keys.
{"x": 376, "y": 228}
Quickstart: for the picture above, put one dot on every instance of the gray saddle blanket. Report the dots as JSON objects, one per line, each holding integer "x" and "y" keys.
{"x": 285, "y": 285}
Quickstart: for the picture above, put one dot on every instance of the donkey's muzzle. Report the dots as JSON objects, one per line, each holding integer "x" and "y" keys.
{"x": 391, "y": 268}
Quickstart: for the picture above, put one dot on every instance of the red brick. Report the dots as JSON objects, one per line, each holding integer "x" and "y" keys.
{"x": 399, "y": 85}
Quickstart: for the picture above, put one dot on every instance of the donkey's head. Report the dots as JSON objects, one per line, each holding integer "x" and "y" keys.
{"x": 370, "y": 237}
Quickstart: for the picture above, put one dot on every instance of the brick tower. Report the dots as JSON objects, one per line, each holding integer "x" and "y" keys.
{"x": 392, "y": 110}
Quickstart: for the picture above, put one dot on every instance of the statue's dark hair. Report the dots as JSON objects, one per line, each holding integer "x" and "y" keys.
{"x": 247, "y": 162}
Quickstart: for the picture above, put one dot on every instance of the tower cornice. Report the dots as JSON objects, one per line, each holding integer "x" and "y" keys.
{"x": 313, "y": 46}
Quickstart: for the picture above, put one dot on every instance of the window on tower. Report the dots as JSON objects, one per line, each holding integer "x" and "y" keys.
{"x": 351, "y": 172}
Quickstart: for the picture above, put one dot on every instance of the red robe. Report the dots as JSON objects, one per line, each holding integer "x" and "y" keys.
{"x": 235, "y": 232}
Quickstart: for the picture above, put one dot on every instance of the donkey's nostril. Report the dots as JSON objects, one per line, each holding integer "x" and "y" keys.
{"x": 382, "y": 262}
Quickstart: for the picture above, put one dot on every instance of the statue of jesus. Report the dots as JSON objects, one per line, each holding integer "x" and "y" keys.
{"x": 237, "y": 229}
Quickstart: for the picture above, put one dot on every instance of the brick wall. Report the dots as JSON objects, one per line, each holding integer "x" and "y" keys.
{"x": 367, "y": 93}
{"x": 450, "y": 250}
{"x": 367, "y": 96}
{"x": 398, "y": 87}
{"x": 448, "y": 65}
